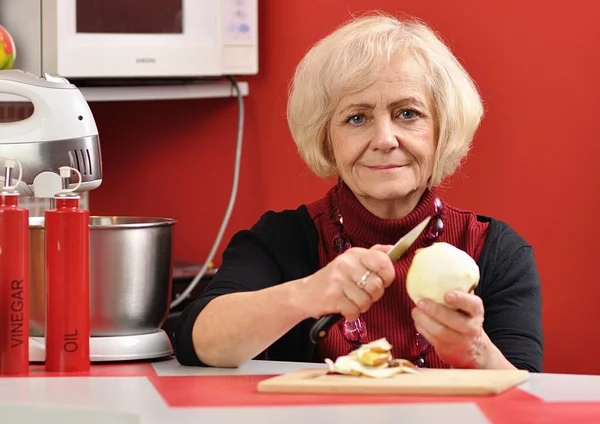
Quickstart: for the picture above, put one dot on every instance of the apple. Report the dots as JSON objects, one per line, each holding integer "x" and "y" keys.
{"x": 7, "y": 49}
{"x": 438, "y": 269}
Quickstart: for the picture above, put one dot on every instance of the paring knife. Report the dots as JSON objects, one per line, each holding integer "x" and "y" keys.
{"x": 321, "y": 327}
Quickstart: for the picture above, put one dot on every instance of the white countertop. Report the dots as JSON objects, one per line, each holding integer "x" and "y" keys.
{"x": 165, "y": 392}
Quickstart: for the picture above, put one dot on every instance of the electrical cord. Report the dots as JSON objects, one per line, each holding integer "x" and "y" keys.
{"x": 234, "y": 189}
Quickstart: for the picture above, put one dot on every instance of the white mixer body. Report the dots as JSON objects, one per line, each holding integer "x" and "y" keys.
{"x": 60, "y": 132}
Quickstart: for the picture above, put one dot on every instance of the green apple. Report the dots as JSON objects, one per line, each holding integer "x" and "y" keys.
{"x": 7, "y": 49}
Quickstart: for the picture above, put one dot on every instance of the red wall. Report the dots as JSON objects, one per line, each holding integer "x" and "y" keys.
{"x": 533, "y": 163}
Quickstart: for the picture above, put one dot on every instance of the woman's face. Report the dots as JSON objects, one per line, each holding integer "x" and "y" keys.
{"x": 383, "y": 139}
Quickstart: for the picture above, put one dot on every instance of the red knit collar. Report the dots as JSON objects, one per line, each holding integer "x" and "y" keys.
{"x": 362, "y": 224}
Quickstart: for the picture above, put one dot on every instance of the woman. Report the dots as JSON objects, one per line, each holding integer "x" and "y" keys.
{"x": 383, "y": 105}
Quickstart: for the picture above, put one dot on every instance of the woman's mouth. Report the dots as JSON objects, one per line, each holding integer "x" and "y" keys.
{"x": 384, "y": 167}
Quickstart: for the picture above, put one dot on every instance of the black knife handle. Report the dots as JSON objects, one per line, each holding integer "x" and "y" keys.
{"x": 322, "y": 326}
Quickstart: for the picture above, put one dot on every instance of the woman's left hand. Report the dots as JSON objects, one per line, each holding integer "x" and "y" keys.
{"x": 455, "y": 331}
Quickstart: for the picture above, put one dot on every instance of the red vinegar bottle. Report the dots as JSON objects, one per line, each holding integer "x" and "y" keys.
{"x": 14, "y": 278}
{"x": 67, "y": 242}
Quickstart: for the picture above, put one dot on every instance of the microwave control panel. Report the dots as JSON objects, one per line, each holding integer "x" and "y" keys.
{"x": 239, "y": 21}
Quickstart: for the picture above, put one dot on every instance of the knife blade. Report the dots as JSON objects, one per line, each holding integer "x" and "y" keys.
{"x": 320, "y": 328}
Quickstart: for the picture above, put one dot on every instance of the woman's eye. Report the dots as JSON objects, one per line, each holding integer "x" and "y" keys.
{"x": 356, "y": 119}
{"x": 409, "y": 114}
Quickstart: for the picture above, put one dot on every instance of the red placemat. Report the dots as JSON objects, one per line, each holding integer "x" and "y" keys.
{"x": 511, "y": 407}
{"x": 240, "y": 390}
{"x": 133, "y": 369}
{"x": 542, "y": 412}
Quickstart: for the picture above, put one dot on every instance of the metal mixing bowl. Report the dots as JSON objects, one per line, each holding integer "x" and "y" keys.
{"x": 131, "y": 270}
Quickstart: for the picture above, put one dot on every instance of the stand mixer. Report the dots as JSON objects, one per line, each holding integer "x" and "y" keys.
{"x": 62, "y": 131}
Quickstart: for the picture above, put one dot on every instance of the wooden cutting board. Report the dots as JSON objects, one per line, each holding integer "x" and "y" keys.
{"x": 427, "y": 382}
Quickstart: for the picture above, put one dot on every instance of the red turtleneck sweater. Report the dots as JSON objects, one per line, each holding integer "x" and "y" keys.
{"x": 390, "y": 317}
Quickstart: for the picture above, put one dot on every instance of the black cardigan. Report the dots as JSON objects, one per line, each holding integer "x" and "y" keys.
{"x": 283, "y": 246}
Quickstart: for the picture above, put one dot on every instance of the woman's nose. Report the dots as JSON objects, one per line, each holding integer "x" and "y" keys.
{"x": 383, "y": 135}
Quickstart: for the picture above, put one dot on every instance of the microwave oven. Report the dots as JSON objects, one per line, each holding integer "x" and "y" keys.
{"x": 115, "y": 39}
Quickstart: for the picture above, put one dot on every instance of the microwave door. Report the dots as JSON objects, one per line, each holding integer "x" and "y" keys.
{"x": 129, "y": 17}
{"x": 135, "y": 38}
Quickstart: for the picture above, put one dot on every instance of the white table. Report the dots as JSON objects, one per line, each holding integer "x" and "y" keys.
{"x": 165, "y": 392}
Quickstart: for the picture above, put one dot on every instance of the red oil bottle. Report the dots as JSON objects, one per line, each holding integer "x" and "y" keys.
{"x": 67, "y": 241}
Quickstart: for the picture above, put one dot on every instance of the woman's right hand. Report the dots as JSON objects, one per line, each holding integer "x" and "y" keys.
{"x": 334, "y": 288}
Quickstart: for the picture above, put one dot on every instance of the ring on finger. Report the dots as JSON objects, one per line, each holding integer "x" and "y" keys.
{"x": 363, "y": 280}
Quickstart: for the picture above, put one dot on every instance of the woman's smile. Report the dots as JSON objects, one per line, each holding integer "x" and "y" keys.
{"x": 380, "y": 168}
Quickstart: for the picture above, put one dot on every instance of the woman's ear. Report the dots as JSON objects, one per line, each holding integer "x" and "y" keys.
{"x": 430, "y": 184}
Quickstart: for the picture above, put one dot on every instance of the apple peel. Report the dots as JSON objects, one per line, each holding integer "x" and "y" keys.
{"x": 372, "y": 360}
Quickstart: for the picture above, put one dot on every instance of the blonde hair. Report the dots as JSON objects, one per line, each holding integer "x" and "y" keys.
{"x": 348, "y": 60}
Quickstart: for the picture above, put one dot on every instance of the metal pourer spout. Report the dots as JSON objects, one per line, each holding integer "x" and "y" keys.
{"x": 7, "y": 176}
{"x": 65, "y": 178}
{"x": 7, "y": 188}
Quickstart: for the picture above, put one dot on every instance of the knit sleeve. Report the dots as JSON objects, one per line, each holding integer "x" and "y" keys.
{"x": 271, "y": 252}
{"x": 512, "y": 300}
